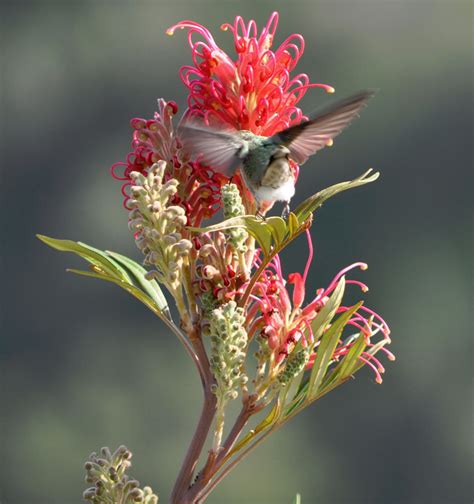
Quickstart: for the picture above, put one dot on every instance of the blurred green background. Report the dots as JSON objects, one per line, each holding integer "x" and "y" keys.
{"x": 85, "y": 366}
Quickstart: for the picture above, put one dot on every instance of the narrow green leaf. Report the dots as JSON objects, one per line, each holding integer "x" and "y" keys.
{"x": 131, "y": 289}
{"x": 267, "y": 422}
{"x": 327, "y": 312}
{"x": 326, "y": 349}
{"x": 93, "y": 256}
{"x": 372, "y": 351}
{"x": 138, "y": 272}
{"x": 115, "y": 268}
{"x": 307, "y": 207}
{"x": 297, "y": 499}
{"x": 293, "y": 223}
{"x": 297, "y": 393}
{"x": 350, "y": 360}
{"x": 92, "y": 250}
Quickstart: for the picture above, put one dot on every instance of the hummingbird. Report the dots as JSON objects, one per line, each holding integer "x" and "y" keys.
{"x": 264, "y": 162}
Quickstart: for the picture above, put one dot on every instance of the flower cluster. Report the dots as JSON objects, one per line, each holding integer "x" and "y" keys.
{"x": 155, "y": 140}
{"x": 107, "y": 473}
{"x": 233, "y": 207}
{"x": 166, "y": 192}
{"x": 255, "y": 92}
{"x": 228, "y": 343}
{"x": 227, "y": 279}
{"x": 283, "y": 323}
{"x": 158, "y": 224}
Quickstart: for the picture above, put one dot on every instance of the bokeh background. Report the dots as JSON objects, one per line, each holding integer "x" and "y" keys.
{"x": 85, "y": 366}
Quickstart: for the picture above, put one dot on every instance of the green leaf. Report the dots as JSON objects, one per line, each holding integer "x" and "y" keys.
{"x": 312, "y": 203}
{"x": 327, "y": 345}
{"x": 118, "y": 269}
{"x": 90, "y": 254}
{"x": 103, "y": 255}
{"x": 266, "y": 423}
{"x": 293, "y": 223}
{"x": 372, "y": 351}
{"x": 131, "y": 289}
{"x": 327, "y": 312}
{"x": 138, "y": 272}
{"x": 349, "y": 361}
{"x": 277, "y": 228}
{"x": 297, "y": 499}
{"x": 253, "y": 225}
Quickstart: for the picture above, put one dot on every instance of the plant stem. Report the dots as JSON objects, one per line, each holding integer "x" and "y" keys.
{"x": 188, "y": 347}
{"x": 185, "y": 475}
{"x": 204, "y": 493}
{"x": 229, "y": 443}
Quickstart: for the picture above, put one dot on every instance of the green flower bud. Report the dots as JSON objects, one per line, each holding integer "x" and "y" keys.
{"x": 228, "y": 345}
{"x": 158, "y": 224}
{"x": 111, "y": 484}
{"x": 295, "y": 363}
{"x": 233, "y": 207}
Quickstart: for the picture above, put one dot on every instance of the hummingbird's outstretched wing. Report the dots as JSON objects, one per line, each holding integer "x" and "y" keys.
{"x": 307, "y": 138}
{"x": 217, "y": 149}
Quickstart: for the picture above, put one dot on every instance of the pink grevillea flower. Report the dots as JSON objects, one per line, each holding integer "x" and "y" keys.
{"x": 254, "y": 91}
{"x": 155, "y": 140}
{"x": 284, "y": 320}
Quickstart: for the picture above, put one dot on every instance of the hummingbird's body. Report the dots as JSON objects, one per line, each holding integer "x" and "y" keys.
{"x": 266, "y": 169}
{"x": 265, "y": 161}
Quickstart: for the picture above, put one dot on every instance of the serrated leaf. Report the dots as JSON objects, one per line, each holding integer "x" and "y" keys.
{"x": 305, "y": 209}
{"x": 327, "y": 345}
{"x": 151, "y": 287}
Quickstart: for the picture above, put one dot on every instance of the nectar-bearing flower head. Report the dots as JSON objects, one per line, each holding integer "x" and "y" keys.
{"x": 285, "y": 325}
{"x": 155, "y": 140}
{"x": 255, "y": 91}
{"x": 243, "y": 114}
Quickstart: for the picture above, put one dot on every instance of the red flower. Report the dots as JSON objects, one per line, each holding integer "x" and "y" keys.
{"x": 282, "y": 319}
{"x": 253, "y": 92}
{"x": 154, "y": 140}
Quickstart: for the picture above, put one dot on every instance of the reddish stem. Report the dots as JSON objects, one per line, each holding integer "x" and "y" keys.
{"x": 183, "y": 481}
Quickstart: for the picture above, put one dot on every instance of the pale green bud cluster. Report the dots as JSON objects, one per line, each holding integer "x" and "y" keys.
{"x": 158, "y": 224}
{"x": 233, "y": 207}
{"x": 208, "y": 302}
{"x": 111, "y": 485}
{"x": 228, "y": 343}
{"x": 295, "y": 363}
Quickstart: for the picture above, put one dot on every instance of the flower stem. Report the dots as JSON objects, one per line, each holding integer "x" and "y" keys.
{"x": 188, "y": 467}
